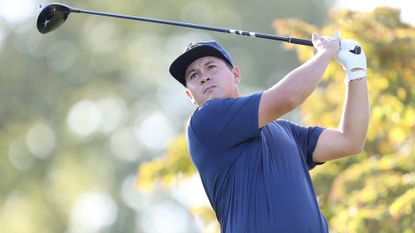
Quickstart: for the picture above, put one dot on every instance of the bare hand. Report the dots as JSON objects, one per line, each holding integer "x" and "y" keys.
{"x": 326, "y": 44}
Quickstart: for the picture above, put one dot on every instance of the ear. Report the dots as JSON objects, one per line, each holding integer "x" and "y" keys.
{"x": 189, "y": 94}
{"x": 236, "y": 74}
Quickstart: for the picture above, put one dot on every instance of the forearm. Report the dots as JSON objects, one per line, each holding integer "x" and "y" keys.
{"x": 349, "y": 138}
{"x": 355, "y": 117}
{"x": 298, "y": 85}
{"x": 292, "y": 90}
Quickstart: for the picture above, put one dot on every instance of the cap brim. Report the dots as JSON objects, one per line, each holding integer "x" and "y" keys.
{"x": 179, "y": 66}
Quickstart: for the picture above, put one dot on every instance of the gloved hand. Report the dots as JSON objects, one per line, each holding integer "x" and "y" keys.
{"x": 353, "y": 64}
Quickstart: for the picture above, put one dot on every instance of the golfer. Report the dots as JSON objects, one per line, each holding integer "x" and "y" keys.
{"x": 255, "y": 166}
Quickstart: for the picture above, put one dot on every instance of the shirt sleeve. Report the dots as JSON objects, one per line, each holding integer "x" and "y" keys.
{"x": 306, "y": 139}
{"x": 224, "y": 123}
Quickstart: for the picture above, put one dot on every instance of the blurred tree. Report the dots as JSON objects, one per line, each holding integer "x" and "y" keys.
{"x": 82, "y": 106}
{"x": 370, "y": 192}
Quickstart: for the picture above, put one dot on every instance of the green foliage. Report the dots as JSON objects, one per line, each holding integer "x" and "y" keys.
{"x": 97, "y": 62}
{"x": 372, "y": 192}
{"x": 167, "y": 170}
{"x": 118, "y": 71}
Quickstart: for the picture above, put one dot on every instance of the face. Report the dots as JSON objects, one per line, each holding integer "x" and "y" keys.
{"x": 209, "y": 78}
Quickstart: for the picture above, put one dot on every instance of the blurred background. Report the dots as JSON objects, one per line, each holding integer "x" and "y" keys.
{"x": 92, "y": 125}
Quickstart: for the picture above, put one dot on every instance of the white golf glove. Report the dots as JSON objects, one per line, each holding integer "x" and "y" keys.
{"x": 353, "y": 64}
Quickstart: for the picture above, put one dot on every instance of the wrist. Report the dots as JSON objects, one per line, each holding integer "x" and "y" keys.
{"x": 325, "y": 55}
{"x": 355, "y": 74}
{"x": 358, "y": 79}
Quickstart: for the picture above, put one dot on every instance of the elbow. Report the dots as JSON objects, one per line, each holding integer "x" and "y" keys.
{"x": 356, "y": 147}
{"x": 354, "y": 139}
{"x": 356, "y": 151}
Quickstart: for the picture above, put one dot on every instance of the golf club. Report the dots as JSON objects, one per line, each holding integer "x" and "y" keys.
{"x": 52, "y": 15}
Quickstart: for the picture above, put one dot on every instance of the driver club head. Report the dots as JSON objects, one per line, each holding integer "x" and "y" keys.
{"x": 51, "y": 16}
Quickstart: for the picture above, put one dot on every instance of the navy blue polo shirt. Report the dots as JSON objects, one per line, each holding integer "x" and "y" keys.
{"x": 257, "y": 180}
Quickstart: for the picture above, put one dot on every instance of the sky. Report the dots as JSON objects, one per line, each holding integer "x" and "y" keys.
{"x": 17, "y": 11}
{"x": 407, "y": 11}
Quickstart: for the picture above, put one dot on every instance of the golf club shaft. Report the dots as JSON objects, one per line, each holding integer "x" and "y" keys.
{"x": 202, "y": 27}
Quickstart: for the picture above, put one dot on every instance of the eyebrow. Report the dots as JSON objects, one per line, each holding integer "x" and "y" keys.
{"x": 208, "y": 62}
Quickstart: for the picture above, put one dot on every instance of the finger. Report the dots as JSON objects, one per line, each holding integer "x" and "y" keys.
{"x": 315, "y": 36}
{"x": 314, "y": 39}
{"x": 336, "y": 34}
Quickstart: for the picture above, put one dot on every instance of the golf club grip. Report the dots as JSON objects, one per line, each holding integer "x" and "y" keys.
{"x": 356, "y": 50}
{"x": 301, "y": 42}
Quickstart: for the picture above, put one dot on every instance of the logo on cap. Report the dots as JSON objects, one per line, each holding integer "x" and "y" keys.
{"x": 191, "y": 46}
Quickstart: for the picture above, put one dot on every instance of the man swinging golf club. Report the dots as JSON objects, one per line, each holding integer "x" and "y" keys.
{"x": 254, "y": 166}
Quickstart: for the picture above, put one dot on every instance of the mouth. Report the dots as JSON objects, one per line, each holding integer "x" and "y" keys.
{"x": 208, "y": 88}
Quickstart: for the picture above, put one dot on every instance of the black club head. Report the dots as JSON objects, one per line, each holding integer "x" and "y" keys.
{"x": 51, "y": 16}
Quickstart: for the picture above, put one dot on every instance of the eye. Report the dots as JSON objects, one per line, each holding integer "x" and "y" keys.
{"x": 211, "y": 67}
{"x": 192, "y": 75}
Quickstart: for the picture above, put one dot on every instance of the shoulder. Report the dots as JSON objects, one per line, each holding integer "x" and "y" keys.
{"x": 219, "y": 117}
{"x": 204, "y": 119}
{"x": 223, "y": 107}
{"x": 207, "y": 110}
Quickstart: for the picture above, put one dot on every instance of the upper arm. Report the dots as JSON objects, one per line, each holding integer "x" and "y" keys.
{"x": 293, "y": 89}
{"x": 273, "y": 104}
{"x": 333, "y": 144}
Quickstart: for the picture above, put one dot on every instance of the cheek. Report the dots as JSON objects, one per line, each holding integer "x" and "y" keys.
{"x": 193, "y": 92}
{"x": 230, "y": 81}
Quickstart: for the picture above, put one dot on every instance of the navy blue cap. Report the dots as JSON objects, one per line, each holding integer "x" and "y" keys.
{"x": 194, "y": 51}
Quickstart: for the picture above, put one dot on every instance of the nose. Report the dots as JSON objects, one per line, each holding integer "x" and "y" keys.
{"x": 204, "y": 79}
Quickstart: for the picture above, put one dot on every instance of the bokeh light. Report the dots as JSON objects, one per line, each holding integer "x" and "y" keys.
{"x": 124, "y": 145}
{"x": 93, "y": 212}
{"x": 84, "y": 118}
{"x": 17, "y": 11}
{"x": 165, "y": 217}
{"x": 19, "y": 156}
{"x": 41, "y": 140}
{"x": 154, "y": 130}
